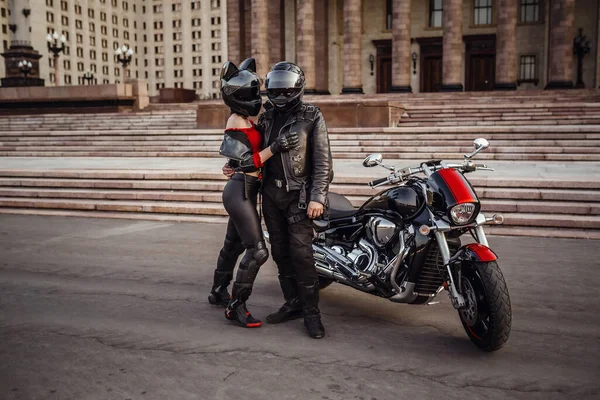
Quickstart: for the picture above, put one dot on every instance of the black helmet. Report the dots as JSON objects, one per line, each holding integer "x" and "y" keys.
{"x": 285, "y": 85}
{"x": 240, "y": 87}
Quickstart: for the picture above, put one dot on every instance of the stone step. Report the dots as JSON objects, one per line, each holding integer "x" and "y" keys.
{"x": 211, "y": 219}
{"x": 410, "y": 123}
{"x": 334, "y": 149}
{"x": 564, "y": 157}
{"x": 146, "y": 206}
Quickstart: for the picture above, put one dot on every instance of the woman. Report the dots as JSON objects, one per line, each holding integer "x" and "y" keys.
{"x": 240, "y": 89}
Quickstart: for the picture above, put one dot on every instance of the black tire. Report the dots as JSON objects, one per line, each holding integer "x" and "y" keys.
{"x": 487, "y": 317}
{"x": 324, "y": 282}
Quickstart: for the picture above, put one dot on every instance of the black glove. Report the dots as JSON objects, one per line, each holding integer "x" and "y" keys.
{"x": 285, "y": 142}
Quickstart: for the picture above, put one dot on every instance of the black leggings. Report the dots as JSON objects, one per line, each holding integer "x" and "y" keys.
{"x": 244, "y": 224}
{"x": 243, "y": 231}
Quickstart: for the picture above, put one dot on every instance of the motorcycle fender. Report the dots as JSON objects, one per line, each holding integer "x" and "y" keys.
{"x": 476, "y": 252}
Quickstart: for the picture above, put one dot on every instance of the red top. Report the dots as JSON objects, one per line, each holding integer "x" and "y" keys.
{"x": 255, "y": 139}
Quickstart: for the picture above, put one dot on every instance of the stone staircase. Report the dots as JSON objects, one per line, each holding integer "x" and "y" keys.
{"x": 553, "y": 128}
{"x": 532, "y": 143}
{"x": 532, "y": 207}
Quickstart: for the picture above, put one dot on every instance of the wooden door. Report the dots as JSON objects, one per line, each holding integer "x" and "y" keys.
{"x": 483, "y": 72}
{"x": 480, "y": 62}
{"x": 431, "y": 74}
{"x": 384, "y": 74}
{"x": 383, "y": 65}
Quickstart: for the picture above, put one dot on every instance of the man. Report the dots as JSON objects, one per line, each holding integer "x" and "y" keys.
{"x": 295, "y": 187}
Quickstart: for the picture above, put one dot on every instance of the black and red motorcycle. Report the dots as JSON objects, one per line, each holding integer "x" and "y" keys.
{"x": 404, "y": 244}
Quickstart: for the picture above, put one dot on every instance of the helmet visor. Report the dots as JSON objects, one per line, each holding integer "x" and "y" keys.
{"x": 248, "y": 92}
{"x": 283, "y": 80}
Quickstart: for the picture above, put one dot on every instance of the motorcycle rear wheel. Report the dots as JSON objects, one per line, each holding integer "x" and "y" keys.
{"x": 487, "y": 316}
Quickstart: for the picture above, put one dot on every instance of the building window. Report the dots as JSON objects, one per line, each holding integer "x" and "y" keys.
{"x": 482, "y": 12}
{"x": 92, "y": 41}
{"x": 216, "y": 46}
{"x": 117, "y": 71}
{"x": 102, "y": 16}
{"x": 197, "y": 60}
{"x": 215, "y": 4}
{"x": 92, "y": 27}
{"x": 177, "y": 35}
{"x": 67, "y": 64}
{"x": 158, "y": 37}
{"x": 104, "y": 56}
{"x": 125, "y": 22}
{"x": 68, "y": 79}
{"x": 77, "y": 9}
{"x": 435, "y": 13}
{"x": 528, "y": 69}
{"x": 195, "y": 21}
{"x": 78, "y": 24}
{"x": 64, "y": 20}
{"x": 50, "y": 3}
{"x": 103, "y": 29}
{"x": 93, "y": 67}
{"x": 115, "y": 32}
{"x": 49, "y": 17}
{"x": 126, "y": 6}
{"x": 126, "y": 35}
{"x": 176, "y": 23}
{"x": 105, "y": 69}
{"x": 90, "y": 13}
{"x": 176, "y": 7}
{"x": 215, "y": 20}
{"x": 158, "y": 25}
{"x": 64, "y": 6}
{"x": 79, "y": 52}
{"x": 80, "y": 67}
{"x": 196, "y": 35}
{"x": 115, "y": 19}
{"x": 195, "y": 5}
{"x": 530, "y": 10}
{"x": 197, "y": 72}
{"x": 388, "y": 14}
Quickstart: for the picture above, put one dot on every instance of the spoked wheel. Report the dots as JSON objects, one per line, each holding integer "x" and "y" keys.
{"x": 324, "y": 282}
{"x": 487, "y": 314}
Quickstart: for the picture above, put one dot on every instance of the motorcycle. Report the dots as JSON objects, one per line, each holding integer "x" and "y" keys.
{"x": 404, "y": 244}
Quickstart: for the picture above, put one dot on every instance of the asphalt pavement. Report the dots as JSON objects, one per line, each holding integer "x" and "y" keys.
{"x": 114, "y": 309}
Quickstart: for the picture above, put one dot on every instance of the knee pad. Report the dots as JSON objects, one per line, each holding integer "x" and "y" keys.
{"x": 251, "y": 263}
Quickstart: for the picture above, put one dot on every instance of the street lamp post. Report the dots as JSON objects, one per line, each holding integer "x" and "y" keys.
{"x": 56, "y": 44}
{"x": 89, "y": 77}
{"x": 581, "y": 46}
{"x": 25, "y": 67}
{"x": 124, "y": 56}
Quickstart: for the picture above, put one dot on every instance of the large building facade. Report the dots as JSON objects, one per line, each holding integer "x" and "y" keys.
{"x": 176, "y": 43}
{"x": 379, "y": 46}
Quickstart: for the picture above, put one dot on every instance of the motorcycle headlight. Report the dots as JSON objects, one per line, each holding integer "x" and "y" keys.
{"x": 462, "y": 213}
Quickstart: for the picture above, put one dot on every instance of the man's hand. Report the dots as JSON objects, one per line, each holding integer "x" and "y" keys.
{"x": 315, "y": 209}
{"x": 228, "y": 171}
{"x": 285, "y": 142}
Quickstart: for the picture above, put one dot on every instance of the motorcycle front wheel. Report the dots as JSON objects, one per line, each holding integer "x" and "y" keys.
{"x": 487, "y": 315}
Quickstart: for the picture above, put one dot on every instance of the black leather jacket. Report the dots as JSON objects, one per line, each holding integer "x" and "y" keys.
{"x": 309, "y": 167}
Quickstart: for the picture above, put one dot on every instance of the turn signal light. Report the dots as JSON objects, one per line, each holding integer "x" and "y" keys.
{"x": 498, "y": 219}
{"x": 424, "y": 230}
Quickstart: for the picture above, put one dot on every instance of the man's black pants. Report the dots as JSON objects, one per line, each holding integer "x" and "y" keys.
{"x": 290, "y": 234}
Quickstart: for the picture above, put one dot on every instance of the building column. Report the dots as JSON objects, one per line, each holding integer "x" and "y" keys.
{"x": 260, "y": 37}
{"x": 352, "y": 47}
{"x": 322, "y": 46}
{"x": 275, "y": 32}
{"x": 234, "y": 31}
{"x": 452, "y": 62}
{"x": 305, "y": 39}
{"x": 560, "y": 73}
{"x": 401, "y": 58}
{"x": 506, "y": 45}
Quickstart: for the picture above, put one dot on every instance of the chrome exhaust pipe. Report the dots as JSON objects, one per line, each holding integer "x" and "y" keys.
{"x": 404, "y": 293}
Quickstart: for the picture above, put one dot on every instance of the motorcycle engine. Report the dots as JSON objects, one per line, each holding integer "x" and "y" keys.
{"x": 363, "y": 257}
{"x": 381, "y": 231}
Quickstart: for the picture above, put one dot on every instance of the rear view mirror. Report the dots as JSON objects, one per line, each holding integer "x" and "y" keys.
{"x": 373, "y": 160}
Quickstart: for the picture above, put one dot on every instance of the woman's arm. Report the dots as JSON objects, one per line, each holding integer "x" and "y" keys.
{"x": 265, "y": 154}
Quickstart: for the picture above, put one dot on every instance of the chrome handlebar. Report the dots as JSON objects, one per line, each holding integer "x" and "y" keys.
{"x": 397, "y": 176}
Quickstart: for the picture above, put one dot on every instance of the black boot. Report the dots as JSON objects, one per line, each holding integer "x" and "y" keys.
{"x": 312, "y": 315}
{"x": 219, "y": 296}
{"x": 236, "y": 309}
{"x": 292, "y": 308}
{"x": 242, "y": 287}
{"x": 228, "y": 257}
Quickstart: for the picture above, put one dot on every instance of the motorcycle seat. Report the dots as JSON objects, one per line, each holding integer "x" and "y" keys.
{"x": 339, "y": 206}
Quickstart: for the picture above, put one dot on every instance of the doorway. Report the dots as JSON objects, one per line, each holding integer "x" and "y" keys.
{"x": 480, "y": 62}
{"x": 383, "y": 65}
{"x": 431, "y": 64}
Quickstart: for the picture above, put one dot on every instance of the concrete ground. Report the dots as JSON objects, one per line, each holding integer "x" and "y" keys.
{"x": 111, "y": 309}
